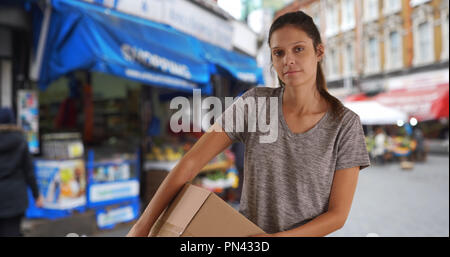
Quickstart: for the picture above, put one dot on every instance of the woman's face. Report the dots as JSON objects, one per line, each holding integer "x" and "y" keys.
{"x": 293, "y": 56}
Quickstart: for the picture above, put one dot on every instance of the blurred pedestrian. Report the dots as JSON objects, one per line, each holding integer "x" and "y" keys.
{"x": 16, "y": 174}
{"x": 380, "y": 145}
{"x": 419, "y": 151}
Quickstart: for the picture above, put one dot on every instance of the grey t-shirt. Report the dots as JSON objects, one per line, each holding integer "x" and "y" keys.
{"x": 288, "y": 182}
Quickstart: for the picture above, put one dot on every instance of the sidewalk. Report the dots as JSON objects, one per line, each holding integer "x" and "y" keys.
{"x": 437, "y": 146}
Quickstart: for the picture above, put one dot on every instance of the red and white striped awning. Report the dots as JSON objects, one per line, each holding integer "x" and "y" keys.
{"x": 425, "y": 103}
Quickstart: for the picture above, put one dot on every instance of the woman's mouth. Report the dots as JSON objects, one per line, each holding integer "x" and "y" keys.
{"x": 290, "y": 73}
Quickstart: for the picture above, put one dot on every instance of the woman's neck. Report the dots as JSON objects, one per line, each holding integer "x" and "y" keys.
{"x": 304, "y": 99}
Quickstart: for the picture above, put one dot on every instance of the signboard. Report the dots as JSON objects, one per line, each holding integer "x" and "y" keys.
{"x": 62, "y": 183}
{"x": 113, "y": 191}
{"x": 180, "y": 14}
{"x": 28, "y": 117}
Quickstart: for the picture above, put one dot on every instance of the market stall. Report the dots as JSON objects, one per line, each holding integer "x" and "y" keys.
{"x": 61, "y": 176}
{"x": 100, "y": 92}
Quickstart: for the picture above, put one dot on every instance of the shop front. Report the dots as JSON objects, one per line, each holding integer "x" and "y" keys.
{"x": 104, "y": 100}
{"x": 413, "y": 110}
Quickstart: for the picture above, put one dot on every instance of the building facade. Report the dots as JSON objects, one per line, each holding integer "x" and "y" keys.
{"x": 368, "y": 42}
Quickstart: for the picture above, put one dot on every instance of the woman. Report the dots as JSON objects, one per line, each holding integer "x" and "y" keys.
{"x": 16, "y": 174}
{"x": 302, "y": 184}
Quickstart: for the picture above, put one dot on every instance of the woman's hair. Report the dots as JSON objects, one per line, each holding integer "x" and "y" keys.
{"x": 305, "y": 23}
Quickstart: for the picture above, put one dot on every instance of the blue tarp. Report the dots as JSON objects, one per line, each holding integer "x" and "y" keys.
{"x": 239, "y": 66}
{"x": 85, "y": 36}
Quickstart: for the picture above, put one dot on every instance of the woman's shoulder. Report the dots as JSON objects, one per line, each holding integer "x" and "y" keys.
{"x": 347, "y": 118}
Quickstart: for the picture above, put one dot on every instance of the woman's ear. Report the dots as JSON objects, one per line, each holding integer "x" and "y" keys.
{"x": 320, "y": 51}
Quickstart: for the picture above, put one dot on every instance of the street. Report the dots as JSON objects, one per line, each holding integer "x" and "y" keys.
{"x": 392, "y": 202}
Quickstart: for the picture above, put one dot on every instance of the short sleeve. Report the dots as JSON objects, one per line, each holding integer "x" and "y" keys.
{"x": 234, "y": 119}
{"x": 352, "y": 150}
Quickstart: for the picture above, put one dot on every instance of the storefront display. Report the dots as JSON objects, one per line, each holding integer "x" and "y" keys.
{"x": 62, "y": 183}
{"x": 101, "y": 100}
{"x": 63, "y": 186}
{"x": 112, "y": 180}
{"x": 28, "y": 117}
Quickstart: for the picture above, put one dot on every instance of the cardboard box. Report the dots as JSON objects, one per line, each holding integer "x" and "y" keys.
{"x": 197, "y": 212}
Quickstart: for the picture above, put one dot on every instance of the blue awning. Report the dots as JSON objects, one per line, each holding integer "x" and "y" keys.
{"x": 241, "y": 67}
{"x": 84, "y": 36}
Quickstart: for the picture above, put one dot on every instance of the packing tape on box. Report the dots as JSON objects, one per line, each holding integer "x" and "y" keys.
{"x": 167, "y": 229}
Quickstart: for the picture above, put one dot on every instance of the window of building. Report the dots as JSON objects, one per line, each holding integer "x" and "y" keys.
{"x": 332, "y": 64}
{"x": 444, "y": 14}
{"x": 332, "y": 19}
{"x": 391, "y": 6}
{"x": 395, "y": 53}
{"x": 349, "y": 59}
{"x": 348, "y": 15}
{"x": 414, "y": 3}
{"x": 372, "y": 60}
{"x": 370, "y": 10}
{"x": 423, "y": 34}
{"x": 424, "y": 50}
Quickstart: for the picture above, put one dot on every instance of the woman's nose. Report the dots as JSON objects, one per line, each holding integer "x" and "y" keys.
{"x": 289, "y": 59}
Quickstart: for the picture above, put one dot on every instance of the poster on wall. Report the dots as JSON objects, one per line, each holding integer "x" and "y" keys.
{"x": 62, "y": 183}
{"x": 28, "y": 117}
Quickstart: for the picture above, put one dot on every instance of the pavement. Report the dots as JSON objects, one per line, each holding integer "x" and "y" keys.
{"x": 391, "y": 202}
{"x": 388, "y": 202}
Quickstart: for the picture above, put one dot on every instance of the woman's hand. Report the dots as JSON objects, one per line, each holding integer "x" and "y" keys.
{"x": 40, "y": 201}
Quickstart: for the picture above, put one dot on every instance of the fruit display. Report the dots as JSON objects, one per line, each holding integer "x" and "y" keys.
{"x": 218, "y": 180}
{"x": 167, "y": 153}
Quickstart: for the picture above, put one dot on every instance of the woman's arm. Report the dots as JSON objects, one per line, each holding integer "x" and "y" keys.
{"x": 203, "y": 151}
{"x": 341, "y": 197}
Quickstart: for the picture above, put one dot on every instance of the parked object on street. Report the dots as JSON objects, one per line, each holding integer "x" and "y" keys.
{"x": 198, "y": 212}
{"x": 407, "y": 165}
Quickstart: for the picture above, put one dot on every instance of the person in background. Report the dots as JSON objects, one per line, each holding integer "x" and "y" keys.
{"x": 16, "y": 174}
{"x": 419, "y": 152}
{"x": 379, "y": 148}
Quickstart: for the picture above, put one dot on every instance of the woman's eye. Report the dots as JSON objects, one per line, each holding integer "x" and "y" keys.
{"x": 299, "y": 49}
{"x": 277, "y": 53}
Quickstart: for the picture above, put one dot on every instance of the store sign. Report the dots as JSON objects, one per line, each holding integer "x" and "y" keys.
{"x": 147, "y": 9}
{"x": 194, "y": 20}
{"x": 113, "y": 191}
{"x": 108, "y": 218}
{"x": 180, "y": 14}
{"x": 373, "y": 85}
{"x": 152, "y": 60}
{"x": 247, "y": 77}
{"x": 244, "y": 38}
{"x": 419, "y": 80}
